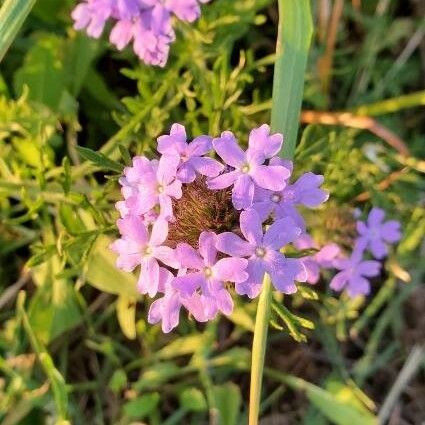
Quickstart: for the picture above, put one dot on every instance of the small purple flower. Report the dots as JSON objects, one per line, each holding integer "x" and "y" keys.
{"x": 375, "y": 233}
{"x": 138, "y": 247}
{"x": 323, "y": 259}
{"x": 263, "y": 252}
{"x": 305, "y": 191}
{"x": 249, "y": 169}
{"x": 353, "y": 274}
{"x": 150, "y": 183}
{"x": 148, "y": 23}
{"x": 191, "y": 154}
{"x": 208, "y": 274}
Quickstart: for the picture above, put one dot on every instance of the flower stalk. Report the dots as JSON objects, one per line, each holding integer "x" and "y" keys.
{"x": 292, "y": 46}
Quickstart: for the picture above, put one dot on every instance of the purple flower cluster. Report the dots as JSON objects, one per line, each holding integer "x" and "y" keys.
{"x": 198, "y": 227}
{"x": 145, "y": 23}
{"x": 374, "y": 235}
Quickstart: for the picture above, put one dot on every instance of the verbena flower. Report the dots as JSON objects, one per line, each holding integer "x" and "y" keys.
{"x": 187, "y": 221}
{"x": 354, "y": 272}
{"x": 324, "y": 258}
{"x": 248, "y": 169}
{"x": 146, "y": 23}
{"x": 375, "y": 233}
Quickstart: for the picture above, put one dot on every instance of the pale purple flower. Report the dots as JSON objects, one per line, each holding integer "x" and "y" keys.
{"x": 354, "y": 272}
{"x": 248, "y": 169}
{"x": 263, "y": 252}
{"x": 306, "y": 191}
{"x": 186, "y": 10}
{"x": 157, "y": 214}
{"x": 375, "y": 233}
{"x": 191, "y": 154}
{"x": 139, "y": 247}
{"x": 150, "y": 183}
{"x": 148, "y": 23}
{"x": 324, "y": 258}
{"x": 209, "y": 275}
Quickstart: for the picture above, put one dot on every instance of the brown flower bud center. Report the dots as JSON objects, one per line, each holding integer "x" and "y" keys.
{"x": 201, "y": 209}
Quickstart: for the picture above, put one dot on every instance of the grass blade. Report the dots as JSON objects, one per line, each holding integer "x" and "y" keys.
{"x": 293, "y": 43}
{"x": 12, "y": 15}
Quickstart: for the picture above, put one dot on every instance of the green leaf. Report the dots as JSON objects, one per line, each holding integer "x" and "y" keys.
{"x": 102, "y": 273}
{"x": 100, "y": 159}
{"x": 118, "y": 381}
{"x": 12, "y": 15}
{"x": 193, "y": 400}
{"x": 293, "y": 322}
{"x": 56, "y": 379}
{"x": 126, "y": 313}
{"x": 54, "y": 308}
{"x": 293, "y": 44}
{"x": 141, "y": 406}
{"x": 228, "y": 401}
{"x": 339, "y": 409}
{"x": 43, "y": 71}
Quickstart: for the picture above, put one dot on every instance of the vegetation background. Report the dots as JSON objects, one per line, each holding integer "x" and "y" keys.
{"x": 75, "y": 346}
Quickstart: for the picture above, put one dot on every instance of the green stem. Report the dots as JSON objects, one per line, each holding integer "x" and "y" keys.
{"x": 12, "y": 15}
{"x": 259, "y": 350}
{"x": 292, "y": 46}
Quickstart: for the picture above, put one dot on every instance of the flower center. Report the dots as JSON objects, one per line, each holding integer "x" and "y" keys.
{"x": 207, "y": 272}
{"x": 260, "y": 252}
{"x": 148, "y": 250}
{"x": 276, "y": 198}
{"x": 201, "y": 209}
{"x": 160, "y": 188}
{"x": 245, "y": 169}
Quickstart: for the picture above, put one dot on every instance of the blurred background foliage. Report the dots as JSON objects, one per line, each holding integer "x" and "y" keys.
{"x": 74, "y": 343}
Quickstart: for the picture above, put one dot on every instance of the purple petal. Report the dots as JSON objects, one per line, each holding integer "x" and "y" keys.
{"x": 230, "y": 269}
{"x": 189, "y": 257}
{"x": 264, "y": 209}
{"x": 327, "y": 255}
{"x": 121, "y": 34}
{"x": 232, "y": 244}
{"x": 174, "y": 189}
{"x": 188, "y": 283}
{"x": 243, "y": 192}
{"x": 271, "y": 177}
{"x": 358, "y": 286}
{"x": 174, "y": 143}
{"x": 200, "y": 146}
{"x": 391, "y": 231}
{"x": 148, "y": 282}
{"x": 369, "y": 268}
{"x": 207, "y": 247}
{"x": 260, "y": 139}
{"x": 129, "y": 255}
{"x": 166, "y": 207}
{"x": 378, "y": 248}
{"x": 223, "y": 181}
{"x": 206, "y": 166}
{"x": 284, "y": 277}
{"x": 308, "y": 190}
{"x": 167, "y": 168}
{"x": 159, "y": 232}
{"x": 376, "y": 216}
{"x": 167, "y": 255}
{"x": 281, "y": 232}
{"x": 251, "y": 226}
{"x": 362, "y": 229}
{"x": 312, "y": 269}
{"x": 186, "y": 173}
{"x": 133, "y": 228}
{"x": 224, "y": 301}
{"x": 228, "y": 149}
{"x": 252, "y": 286}
{"x": 339, "y": 281}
